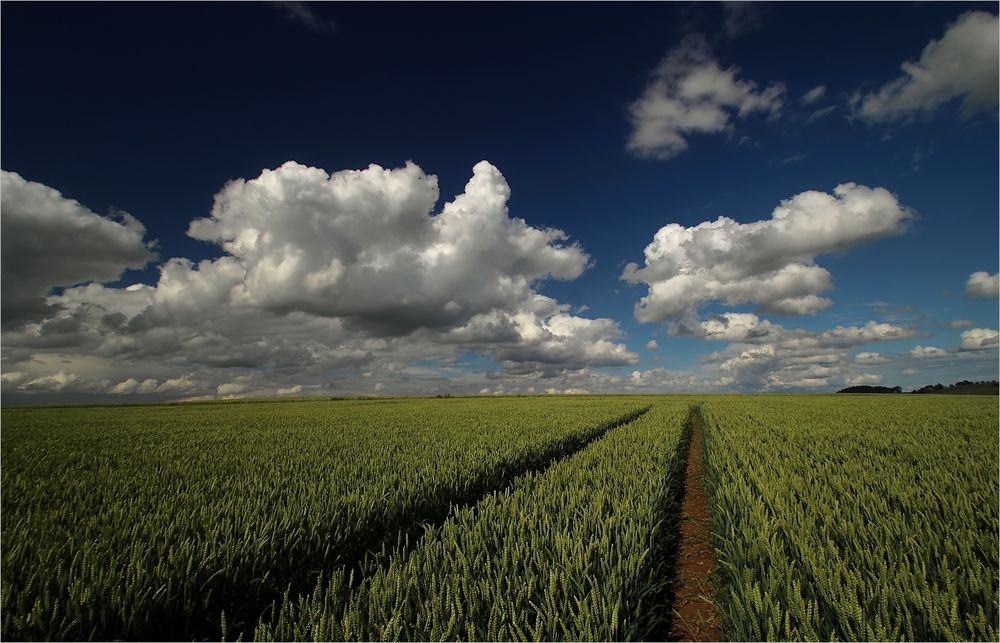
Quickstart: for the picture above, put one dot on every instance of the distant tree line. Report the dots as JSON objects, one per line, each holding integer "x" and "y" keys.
{"x": 936, "y": 388}
{"x": 871, "y": 389}
{"x": 965, "y": 386}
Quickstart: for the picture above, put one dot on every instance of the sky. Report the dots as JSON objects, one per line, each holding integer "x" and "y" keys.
{"x": 208, "y": 200}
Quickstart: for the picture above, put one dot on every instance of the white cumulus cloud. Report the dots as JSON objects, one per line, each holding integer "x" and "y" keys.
{"x": 737, "y": 327}
{"x": 132, "y": 385}
{"x": 767, "y": 262}
{"x": 863, "y": 378}
{"x": 868, "y": 357}
{"x": 49, "y": 240}
{"x": 872, "y": 331}
{"x": 324, "y": 275}
{"x": 927, "y": 352}
{"x": 963, "y": 64}
{"x": 762, "y": 355}
{"x": 177, "y": 384}
{"x": 983, "y": 284}
{"x": 230, "y": 389}
{"x": 543, "y": 336}
{"x": 690, "y": 93}
{"x": 979, "y": 338}
{"x": 57, "y": 381}
{"x": 365, "y": 247}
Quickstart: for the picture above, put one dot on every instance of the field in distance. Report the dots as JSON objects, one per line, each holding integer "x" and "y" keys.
{"x": 545, "y": 518}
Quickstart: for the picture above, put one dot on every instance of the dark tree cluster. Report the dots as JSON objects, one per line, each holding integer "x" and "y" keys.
{"x": 985, "y": 387}
{"x": 965, "y": 386}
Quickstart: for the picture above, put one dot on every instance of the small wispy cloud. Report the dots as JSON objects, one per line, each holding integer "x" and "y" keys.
{"x": 691, "y": 93}
{"x": 794, "y": 158}
{"x": 739, "y": 18}
{"x": 820, "y": 113}
{"x": 813, "y": 95}
{"x": 303, "y": 14}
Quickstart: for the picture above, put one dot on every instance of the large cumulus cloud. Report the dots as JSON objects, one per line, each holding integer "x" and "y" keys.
{"x": 51, "y": 241}
{"x": 365, "y": 246}
{"x": 324, "y": 278}
{"x": 768, "y": 262}
{"x": 543, "y": 336}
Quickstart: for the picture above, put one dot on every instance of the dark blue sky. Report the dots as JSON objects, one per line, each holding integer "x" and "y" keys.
{"x": 151, "y": 108}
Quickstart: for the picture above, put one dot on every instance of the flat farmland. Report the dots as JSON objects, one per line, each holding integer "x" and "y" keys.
{"x": 542, "y": 518}
{"x": 855, "y": 517}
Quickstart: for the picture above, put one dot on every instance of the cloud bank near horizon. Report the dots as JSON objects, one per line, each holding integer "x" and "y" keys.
{"x": 351, "y": 281}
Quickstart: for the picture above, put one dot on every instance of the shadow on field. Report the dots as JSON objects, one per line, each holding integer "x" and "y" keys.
{"x": 245, "y": 603}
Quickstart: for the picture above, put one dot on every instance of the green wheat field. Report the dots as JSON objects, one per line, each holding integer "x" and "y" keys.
{"x": 527, "y": 518}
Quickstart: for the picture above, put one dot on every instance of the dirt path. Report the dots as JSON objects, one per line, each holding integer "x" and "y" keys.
{"x": 695, "y": 617}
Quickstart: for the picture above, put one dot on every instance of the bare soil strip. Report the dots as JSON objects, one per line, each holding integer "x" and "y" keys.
{"x": 695, "y": 615}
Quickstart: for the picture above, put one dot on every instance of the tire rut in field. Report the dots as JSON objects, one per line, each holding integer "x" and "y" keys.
{"x": 361, "y": 560}
{"x": 436, "y": 516}
{"x": 694, "y": 613}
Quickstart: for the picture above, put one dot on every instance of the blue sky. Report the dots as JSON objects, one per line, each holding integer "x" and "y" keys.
{"x": 603, "y": 121}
